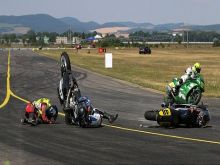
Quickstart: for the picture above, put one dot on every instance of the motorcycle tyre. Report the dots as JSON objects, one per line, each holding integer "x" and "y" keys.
{"x": 65, "y": 57}
{"x": 151, "y": 115}
{"x": 67, "y": 119}
{"x": 196, "y": 102}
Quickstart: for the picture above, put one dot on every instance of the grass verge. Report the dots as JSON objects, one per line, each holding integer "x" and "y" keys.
{"x": 152, "y": 71}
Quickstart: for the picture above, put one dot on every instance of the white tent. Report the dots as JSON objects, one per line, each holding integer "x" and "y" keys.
{"x": 98, "y": 37}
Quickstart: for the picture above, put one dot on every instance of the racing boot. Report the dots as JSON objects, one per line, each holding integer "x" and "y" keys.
{"x": 112, "y": 118}
{"x": 32, "y": 119}
{"x": 24, "y": 121}
{"x": 32, "y": 122}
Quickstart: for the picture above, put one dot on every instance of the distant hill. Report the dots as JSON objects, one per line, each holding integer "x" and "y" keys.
{"x": 38, "y": 22}
{"x": 78, "y": 26}
{"x": 44, "y": 22}
{"x": 127, "y": 24}
{"x": 215, "y": 27}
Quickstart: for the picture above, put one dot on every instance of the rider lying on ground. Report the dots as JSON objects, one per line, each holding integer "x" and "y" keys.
{"x": 40, "y": 111}
{"x": 88, "y": 114}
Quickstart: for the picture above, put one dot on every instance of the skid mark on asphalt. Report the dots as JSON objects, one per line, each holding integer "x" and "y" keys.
{"x": 10, "y": 93}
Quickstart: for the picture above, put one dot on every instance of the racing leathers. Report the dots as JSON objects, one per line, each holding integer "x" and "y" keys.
{"x": 173, "y": 89}
{"x": 40, "y": 111}
{"x": 190, "y": 73}
{"x": 92, "y": 116}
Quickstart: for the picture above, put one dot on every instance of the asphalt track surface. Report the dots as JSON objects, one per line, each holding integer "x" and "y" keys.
{"x": 125, "y": 142}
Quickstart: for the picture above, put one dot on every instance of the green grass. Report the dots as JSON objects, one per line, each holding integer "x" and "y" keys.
{"x": 152, "y": 71}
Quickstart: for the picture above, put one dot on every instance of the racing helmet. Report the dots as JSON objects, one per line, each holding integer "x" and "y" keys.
{"x": 84, "y": 105}
{"x": 197, "y": 67}
{"x": 52, "y": 111}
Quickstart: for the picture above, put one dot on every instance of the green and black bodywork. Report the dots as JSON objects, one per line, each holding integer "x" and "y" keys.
{"x": 189, "y": 93}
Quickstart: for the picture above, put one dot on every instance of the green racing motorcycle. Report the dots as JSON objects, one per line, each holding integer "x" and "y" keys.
{"x": 189, "y": 93}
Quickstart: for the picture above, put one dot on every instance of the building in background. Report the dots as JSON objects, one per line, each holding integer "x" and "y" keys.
{"x": 61, "y": 40}
{"x": 76, "y": 40}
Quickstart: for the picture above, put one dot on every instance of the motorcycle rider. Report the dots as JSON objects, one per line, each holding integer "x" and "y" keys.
{"x": 40, "y": 111}
{"x": 92, "y": 116}
{"x": 78, "y": 109}
{"x": 190, "y": 73}
{"x": 85, "y": 112}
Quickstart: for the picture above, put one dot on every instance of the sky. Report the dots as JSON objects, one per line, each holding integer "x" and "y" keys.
{"x": 202, "y": 12}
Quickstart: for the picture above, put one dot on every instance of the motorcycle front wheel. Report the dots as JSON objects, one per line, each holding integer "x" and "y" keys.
{"x": 64, "y": 63}
{"x": 194, "y": 96}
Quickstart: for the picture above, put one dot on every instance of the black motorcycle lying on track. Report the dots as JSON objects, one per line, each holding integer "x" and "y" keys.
{"x": 180, "y": 115}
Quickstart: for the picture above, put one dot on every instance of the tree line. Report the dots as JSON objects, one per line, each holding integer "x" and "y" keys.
{"x": 193, "y": 36}
{"x": 36, "y": 38}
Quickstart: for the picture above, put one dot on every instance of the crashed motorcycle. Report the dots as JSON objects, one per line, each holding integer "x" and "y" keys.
{"x": 68, "y": 90}
{"x": 70, "y": 98}
{"x": 189, "y": 93}
{"x": 78, "y": 109}
{"x": 186, "y": 115}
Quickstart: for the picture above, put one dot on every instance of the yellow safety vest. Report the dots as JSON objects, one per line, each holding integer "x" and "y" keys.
{"x": 38, "y": 103}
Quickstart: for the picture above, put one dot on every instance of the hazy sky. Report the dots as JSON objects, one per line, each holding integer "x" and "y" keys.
{"x": 154, "y": 11}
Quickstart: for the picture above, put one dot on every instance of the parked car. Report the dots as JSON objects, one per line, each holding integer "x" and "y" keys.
{"x": 144, "y": 50}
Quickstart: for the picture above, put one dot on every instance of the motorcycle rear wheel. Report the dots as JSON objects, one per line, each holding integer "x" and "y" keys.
{"x": 151, "y": 115}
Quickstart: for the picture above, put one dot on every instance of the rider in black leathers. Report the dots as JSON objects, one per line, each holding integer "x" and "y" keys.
{"x": 84, "y": 110}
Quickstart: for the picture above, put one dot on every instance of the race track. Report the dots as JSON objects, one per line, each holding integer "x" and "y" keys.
{"x": 125, "y": 142}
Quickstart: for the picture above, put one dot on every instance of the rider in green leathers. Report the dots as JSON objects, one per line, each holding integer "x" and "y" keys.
{"x": 190, "y": 73}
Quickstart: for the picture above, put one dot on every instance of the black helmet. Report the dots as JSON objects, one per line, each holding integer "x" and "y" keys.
{"x": 52, "y": 111}
{"x": 85, "y": 106}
